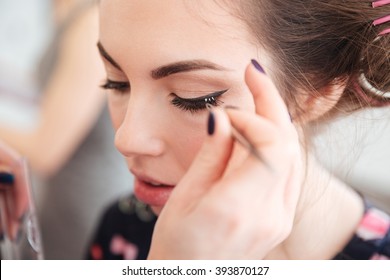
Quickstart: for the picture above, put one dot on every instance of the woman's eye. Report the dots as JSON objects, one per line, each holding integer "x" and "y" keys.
{"x": 198, "y": 103}
{"x": 117, "y": 86}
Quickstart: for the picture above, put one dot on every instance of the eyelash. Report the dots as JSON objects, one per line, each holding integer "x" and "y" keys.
{"x": 199, "y": 103}
{"x": 186, "y": 104}
{"x": 120, "y": 87}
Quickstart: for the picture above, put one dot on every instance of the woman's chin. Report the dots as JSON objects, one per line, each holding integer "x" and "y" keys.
{"x": 156, "y": 209}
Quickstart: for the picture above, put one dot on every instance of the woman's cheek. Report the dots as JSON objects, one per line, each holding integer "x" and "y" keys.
{"x": 191, "y": 143}
{"x": 117, "y": 111}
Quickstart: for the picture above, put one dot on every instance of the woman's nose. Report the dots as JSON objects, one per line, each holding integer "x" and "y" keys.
{"x": 140, "y": 133}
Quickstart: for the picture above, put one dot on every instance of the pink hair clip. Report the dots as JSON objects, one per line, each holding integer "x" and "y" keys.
{"x": 380, "y": 3}
{"x": 384, "y": 19}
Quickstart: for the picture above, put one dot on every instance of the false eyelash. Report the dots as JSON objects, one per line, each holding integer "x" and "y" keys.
{"x": 196, "y": 104}
{"x": 116, "y": 86}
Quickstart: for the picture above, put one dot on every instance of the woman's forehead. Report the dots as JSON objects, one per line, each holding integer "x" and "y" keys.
{"x": 162, "y": 29}
{"x": 170, "y": 16}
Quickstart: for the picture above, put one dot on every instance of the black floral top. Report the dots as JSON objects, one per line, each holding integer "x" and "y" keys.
{"x": 125, "y": 232}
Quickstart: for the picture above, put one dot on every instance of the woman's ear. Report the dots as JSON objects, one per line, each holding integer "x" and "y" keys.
{"x": 316, "y": 106}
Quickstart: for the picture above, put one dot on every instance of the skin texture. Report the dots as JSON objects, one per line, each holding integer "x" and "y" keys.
{"x": 152, "y": 144}
{"x": 223, "y": 203}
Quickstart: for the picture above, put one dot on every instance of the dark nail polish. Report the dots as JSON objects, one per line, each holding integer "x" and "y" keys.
{"x": 257, "y": 66}
{"x": 211, "y": 124}
{"x": 6, "y": 178}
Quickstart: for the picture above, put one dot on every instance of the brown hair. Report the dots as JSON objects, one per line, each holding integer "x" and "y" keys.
{"x": 317, "y": 43}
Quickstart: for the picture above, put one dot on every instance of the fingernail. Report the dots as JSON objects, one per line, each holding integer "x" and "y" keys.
{"x": 211, "y": 124}
{"x": 6, "y": 178}
{"x": 257, "y": 66}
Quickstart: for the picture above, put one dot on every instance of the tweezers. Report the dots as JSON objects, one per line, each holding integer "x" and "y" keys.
{"x": 237, "y": 136}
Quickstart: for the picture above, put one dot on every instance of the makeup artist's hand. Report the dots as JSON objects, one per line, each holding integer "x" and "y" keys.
{"x": 13, "y": 190}
{"x": 243, "y": 212}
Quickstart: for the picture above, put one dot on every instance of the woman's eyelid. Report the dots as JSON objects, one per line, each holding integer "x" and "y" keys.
{"x": 115, "y": 78}
{"x": 114, "y": 74}
{"x": 114, "y": 81}
{"x": 214, "y": 94}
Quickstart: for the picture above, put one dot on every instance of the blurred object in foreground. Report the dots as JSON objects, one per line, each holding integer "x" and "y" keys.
{"x": 20, "y": 235}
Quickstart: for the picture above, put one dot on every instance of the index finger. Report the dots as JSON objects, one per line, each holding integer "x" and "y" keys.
{"x": 268, "y": 101}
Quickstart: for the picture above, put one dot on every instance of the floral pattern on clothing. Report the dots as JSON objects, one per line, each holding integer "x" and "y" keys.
{"x": 124, "y": 232}
{"x": 126, "y": 228}
{"x": 372, "y": 238}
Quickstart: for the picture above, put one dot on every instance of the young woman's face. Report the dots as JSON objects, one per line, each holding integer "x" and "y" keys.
{"x": 164, "y": 60}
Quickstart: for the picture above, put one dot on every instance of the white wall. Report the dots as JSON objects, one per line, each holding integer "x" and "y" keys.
{"x": 357, "y": 149}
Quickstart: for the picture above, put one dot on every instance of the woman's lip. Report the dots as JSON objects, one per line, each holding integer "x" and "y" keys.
{"x": 147, "y": 179}
{"x": 151, "y": 194}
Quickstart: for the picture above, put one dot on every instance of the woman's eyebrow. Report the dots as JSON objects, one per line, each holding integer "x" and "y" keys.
{"x": 184, "y": 66}
{"x": 105, "y": 54}
{"x": 169, "y": 69}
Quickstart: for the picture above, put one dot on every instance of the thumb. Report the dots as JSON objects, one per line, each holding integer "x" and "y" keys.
{"x": 211, "y": 161}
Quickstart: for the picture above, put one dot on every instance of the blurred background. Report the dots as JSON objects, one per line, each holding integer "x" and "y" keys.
{"x": 52, "y": 111}
{"x": 357, "y": 150}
